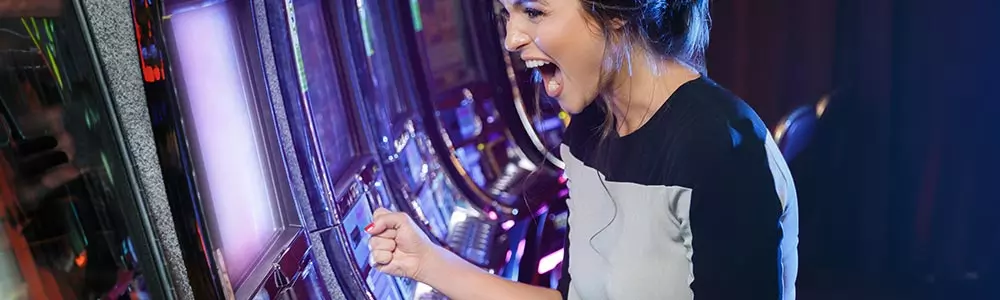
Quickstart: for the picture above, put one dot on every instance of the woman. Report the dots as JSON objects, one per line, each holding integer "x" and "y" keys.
{"x": 677, "y": 190}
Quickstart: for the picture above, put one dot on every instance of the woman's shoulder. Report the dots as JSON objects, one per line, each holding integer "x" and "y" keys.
{"x": 705, "y": 111}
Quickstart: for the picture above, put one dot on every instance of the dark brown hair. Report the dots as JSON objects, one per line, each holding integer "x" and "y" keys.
{"x": 665, "y": 29}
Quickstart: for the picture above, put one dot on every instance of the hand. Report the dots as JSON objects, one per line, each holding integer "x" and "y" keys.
{"x": 399, "y": 248}
{"x": 46, "y": 162}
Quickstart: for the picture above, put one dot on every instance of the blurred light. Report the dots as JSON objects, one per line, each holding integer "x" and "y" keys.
{"x": 507, "y": 225}
{"x": 550, "y": 261}
{"x": 520, "y": 248}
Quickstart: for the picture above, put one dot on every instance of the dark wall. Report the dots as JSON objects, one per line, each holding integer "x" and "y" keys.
{"x": 901, "y": 178}
{"x": 776, "y": 54}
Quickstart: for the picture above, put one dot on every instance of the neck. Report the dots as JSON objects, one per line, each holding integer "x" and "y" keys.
{"x": 637, "y": 96}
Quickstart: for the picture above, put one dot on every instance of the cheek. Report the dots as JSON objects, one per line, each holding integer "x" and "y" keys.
{"x": 584, "y": 74}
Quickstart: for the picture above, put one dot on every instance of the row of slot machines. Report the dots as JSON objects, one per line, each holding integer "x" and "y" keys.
{"x": 236, "y": 149}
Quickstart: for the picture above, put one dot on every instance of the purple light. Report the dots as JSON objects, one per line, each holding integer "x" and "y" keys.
{"x": 542, "y": 210}
{"x": 520, "y": 249}
{"x": 506, "y": 225}
{"x": 550, "y": 261}
{"x": 231, "y": 171}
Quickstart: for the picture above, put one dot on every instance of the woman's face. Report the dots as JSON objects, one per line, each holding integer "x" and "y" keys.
{"x": 566, "y": 47}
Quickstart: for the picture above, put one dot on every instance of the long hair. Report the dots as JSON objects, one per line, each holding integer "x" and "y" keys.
{"x": 665, "y": 29}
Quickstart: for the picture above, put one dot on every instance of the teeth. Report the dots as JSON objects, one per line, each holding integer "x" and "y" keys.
{"x": 552, "y": 86}
{"x": 535, "y": 63}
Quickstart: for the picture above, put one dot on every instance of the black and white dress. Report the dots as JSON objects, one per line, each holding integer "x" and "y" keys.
{"x": 696, "y": 204}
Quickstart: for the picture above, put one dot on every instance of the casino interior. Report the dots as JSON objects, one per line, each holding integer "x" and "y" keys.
{"x": 236, "y": 149}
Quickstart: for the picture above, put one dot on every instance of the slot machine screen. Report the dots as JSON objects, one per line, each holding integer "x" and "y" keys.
{"x": 354, "y": 222}
{"x": 382, "y": 285}
{"x": 226, "y": 133}
{"x": 319, "y": 82}
{"x": 445, "y": 41}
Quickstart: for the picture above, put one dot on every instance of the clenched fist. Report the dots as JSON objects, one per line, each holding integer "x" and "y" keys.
{"x": 398, "y": 247}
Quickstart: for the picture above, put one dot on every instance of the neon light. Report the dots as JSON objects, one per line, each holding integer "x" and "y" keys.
{"x": 520, "y": 249}
{"x": 218, "y": 101}
{"x": 542, "y": 210}
{"x": 293, "y": 28}
{"x": 366, "y": 32}
{"x": 418, "y": 22}
{"x": 507, "y": 225}
{"x": 154, "y": 72}
{"x": 550, "y": 261}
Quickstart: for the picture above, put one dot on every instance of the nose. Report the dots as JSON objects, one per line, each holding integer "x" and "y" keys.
{"x": 515, "y": 39}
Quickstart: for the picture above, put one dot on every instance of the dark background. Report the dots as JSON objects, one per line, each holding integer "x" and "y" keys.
{"x": 897, "y": 189}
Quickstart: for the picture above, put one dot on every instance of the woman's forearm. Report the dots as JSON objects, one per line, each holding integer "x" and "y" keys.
{"x": 460, "y": 280}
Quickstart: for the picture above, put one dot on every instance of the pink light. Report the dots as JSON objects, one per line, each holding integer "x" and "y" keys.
{"x": 508, "y": 256}
{"x": 506, "y": 225}
{"x": 520, "y": 249}
{"x": 493, "y": 215}
{"x": 542, "y": 210}
{"x": 550, "y": 261}
{"x": 215, "y": 91}
{"x": 563, "y": 193}
{"x": 562, "y": 178}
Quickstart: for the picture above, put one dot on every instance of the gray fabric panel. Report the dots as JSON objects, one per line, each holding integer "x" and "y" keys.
{"x": 785, "y": 186}
{"x": 612, "y": 253}
{"x": 615, "y": 240}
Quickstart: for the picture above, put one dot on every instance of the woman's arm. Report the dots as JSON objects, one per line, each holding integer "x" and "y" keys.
{"x": 460, "y": 280}
{"x": 735, "y": 214}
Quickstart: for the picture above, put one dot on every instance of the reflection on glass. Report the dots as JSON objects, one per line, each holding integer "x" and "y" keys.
{"x": 445, "y": 46}
{"x": 215, "y": 88}
{"x": 386, "y": 76}
{"x": 63, "y": 186}
{"x": 318, "y": 73}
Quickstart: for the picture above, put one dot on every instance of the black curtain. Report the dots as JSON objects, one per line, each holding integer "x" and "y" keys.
{"x": 900, "y": 184}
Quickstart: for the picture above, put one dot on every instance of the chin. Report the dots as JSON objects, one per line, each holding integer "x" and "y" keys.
{"x": 572, "y": 108}
{"x": 573, "y": 105}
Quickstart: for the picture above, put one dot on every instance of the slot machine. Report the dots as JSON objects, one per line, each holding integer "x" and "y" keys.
{"x": 463, "y": 219}
{"x": 344, "y": 178}
{"x": 222, "y": 136}
{"x": 489, "y": 134}
{"x": 74, "y": 216}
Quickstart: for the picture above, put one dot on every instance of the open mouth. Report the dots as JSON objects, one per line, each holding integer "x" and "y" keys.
{"x": 552, "y": 77}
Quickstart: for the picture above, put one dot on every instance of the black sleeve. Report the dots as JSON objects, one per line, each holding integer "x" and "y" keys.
{"x": 735, "y": 214}
{"x": 565, "y": 279}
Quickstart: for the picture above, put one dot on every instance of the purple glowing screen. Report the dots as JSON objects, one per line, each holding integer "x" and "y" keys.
{"x": 232, "y": 172}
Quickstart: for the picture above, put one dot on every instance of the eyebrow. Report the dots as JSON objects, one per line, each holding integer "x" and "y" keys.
{"x": 522, "y": 2}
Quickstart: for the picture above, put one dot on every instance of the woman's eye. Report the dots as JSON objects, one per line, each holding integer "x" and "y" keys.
{"x": 533, "y": 13}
